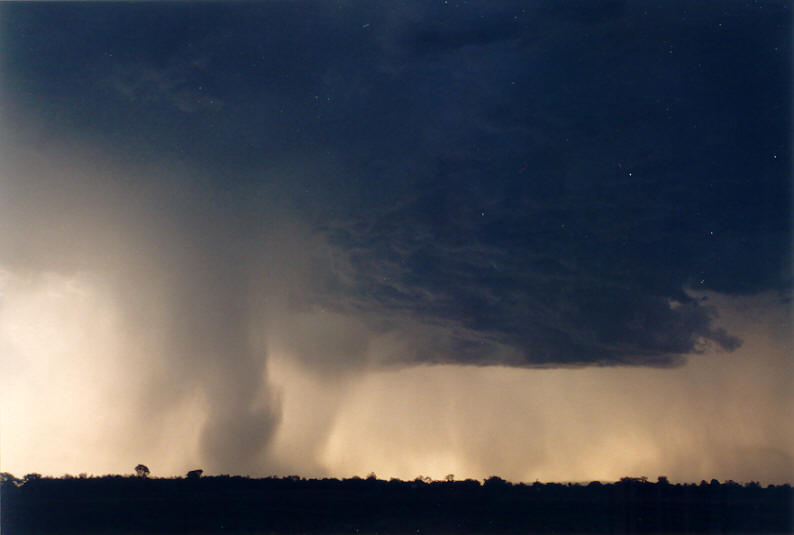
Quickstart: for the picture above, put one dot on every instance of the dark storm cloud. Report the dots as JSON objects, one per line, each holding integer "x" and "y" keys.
{"x": 586, "y": 181}
{"x": 552, "y": 180}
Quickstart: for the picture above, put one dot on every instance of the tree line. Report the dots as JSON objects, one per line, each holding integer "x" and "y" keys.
{"x": 291, "y": 504}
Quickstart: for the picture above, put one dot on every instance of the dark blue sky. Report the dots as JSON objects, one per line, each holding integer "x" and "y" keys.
{"x": 556, "y": 179}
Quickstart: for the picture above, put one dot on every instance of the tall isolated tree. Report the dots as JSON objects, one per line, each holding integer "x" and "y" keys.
{"x": 142, "y": 470}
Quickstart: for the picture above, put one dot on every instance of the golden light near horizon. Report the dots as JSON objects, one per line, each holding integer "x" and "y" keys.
{"x": 73, "y": 381}
{"x": 563, "y": 425}
{"x": 69, "y": 375}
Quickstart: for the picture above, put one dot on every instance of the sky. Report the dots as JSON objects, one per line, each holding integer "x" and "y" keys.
{"x": 536, "y": 240}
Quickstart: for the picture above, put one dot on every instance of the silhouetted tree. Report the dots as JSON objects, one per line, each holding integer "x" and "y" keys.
{"x": 142, "y": 470}
{"x": 6, "y": 476}
{"x": 495, "y": 482}
{"x": 195, "y": 474}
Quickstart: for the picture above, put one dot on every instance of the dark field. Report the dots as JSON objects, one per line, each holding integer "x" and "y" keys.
{"x": 292, "y": 505}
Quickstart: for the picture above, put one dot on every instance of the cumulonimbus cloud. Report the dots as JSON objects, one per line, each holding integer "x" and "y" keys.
{"x": 425, "y": 190}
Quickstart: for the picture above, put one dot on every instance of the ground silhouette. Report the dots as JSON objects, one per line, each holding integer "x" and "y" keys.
{"x": 233, "y": 504}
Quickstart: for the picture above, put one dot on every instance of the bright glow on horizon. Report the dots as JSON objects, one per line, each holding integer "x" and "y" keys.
{"x": 73, "y": 377}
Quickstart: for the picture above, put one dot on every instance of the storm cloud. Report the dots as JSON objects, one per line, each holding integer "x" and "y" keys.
{"x": 361, "y": 186}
